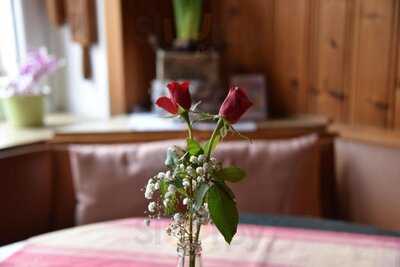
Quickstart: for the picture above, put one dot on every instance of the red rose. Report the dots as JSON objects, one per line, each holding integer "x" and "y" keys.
{"x": 235, "y": 105}
{"x": 179, "y": 96}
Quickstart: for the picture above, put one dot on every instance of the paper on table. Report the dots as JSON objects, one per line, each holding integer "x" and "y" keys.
{"x": 240, "y": 126}
{"x": 153, "y": 122}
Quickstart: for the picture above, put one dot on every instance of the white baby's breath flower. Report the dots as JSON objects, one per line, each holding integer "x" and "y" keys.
{"x": 200, "y": 170}
{"x": 193, "y": 159}
{"x": 150, "y": 187}
{"x": 186, "y": 201}
{"x": 190, "y": 170}
{"x": 148, "y": 195}
{"x": 213, "y": 160}
{"x": 168, "y": 195}
{"x": 168, "y": 176}
{"x": 157, "y": 185}
{"x": 201, "y": 158}
{"x": 166, "y": 202}
{"x": 172, "y": 188}
{"x": 152, "y": 207}
{"x": 200, "y": 179}
{"x": 150, "y": 181}
{"x": 161, "y": 175}
{"x": 206, "y": 166}
{"x": 177, "y": 217}
{"x": 182, "y": 166}
{"x": 185, "y": 183}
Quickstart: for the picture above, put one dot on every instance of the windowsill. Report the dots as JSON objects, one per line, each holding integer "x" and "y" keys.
{"x": 149, "y": 127}
{"x": 65, "y": 128}
{"x": 11, "y": 137}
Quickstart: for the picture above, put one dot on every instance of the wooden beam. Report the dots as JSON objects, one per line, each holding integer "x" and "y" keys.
{"x": 115, "y": 56}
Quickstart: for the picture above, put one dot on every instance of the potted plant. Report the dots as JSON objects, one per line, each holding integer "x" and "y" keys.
{"x": 187, "y": 60}
{"x": 187, "y": 22}
{"x": 23, "y": 97}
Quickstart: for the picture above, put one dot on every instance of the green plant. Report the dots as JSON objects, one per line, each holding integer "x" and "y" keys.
{"x": 187, "y": 19}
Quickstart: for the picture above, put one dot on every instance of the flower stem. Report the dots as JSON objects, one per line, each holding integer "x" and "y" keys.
{"x": 185, "y": 116}
{"x": 214, "y": 135}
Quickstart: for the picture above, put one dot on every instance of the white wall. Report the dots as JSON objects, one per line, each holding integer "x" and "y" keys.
{"x": 88, "y": 97}
{"x": 71, "y": 92}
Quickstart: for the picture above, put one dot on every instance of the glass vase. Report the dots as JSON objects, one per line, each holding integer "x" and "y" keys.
{"x": 189, "y": 255}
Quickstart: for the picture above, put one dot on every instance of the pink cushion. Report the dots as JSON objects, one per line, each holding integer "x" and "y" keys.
{"x": 282, "y": 176}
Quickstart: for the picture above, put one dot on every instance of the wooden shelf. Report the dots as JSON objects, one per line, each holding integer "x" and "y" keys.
{"x": 117, "y": 130}
{"x": 367, "y": 134}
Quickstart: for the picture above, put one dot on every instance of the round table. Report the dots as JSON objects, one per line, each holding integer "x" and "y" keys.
{"x": 130, "y": 242}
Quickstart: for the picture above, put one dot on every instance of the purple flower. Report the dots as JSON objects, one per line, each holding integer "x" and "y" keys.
{"x": 37, "y": 65}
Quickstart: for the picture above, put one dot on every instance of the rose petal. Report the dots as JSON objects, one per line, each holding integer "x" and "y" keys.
{"x": 179, "y": 93}
{"x": 167, "y": 104}
{"x": 235, "y": 105}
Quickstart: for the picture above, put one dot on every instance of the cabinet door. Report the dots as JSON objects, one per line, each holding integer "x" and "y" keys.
{"x": 25, "y": 193}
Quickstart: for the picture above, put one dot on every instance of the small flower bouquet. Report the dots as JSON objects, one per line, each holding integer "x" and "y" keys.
{"x": 194, "y": 191}
{"x": 23, "y": 97}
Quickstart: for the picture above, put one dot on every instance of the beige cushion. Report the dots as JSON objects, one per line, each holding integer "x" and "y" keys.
{"x": 282, "y": 176}
{"x": 368, "y": 183}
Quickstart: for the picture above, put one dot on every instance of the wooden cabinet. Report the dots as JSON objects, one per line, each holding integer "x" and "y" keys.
{"x": 25, "y": 192}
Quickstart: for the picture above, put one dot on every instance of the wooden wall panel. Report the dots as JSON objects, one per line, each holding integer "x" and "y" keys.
{"x": 246, "y": 28}
{"x": 332, "y": 57}
{"x": 329, "y": 92}
{"x": 290, "y": 47}
{"x": 373, "y": 66}
{"x": 397, "y": 95}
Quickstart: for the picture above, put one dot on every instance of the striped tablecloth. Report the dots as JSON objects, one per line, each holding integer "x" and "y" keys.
{"x": 130, "y": 243}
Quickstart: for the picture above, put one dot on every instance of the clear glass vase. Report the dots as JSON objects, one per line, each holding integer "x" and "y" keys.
{"x": 189, "y": 255}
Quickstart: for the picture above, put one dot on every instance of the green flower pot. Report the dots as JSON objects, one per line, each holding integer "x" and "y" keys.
{"x": 24, "y": 110}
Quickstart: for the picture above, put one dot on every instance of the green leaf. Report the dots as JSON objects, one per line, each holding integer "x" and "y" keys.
{"x": 194, "y": 147}
{"x": 199, "y": 195}
{"x": 222, "y": 185}
{"x": 171, "y": 207}
{"x": 231, "y": 174}
{"x": 163, "y": 187}
{"x": 223, "y": 212}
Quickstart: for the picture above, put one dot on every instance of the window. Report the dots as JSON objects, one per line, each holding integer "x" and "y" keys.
{"x": 8, "y": 45}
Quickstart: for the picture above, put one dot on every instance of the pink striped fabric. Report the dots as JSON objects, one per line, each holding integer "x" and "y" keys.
{"x": 130, "y": 243}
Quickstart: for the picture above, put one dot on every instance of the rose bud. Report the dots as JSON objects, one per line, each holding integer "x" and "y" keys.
{"x": 178, "y": 96}
{"x": 235, "y": 105}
